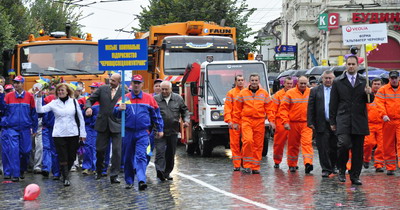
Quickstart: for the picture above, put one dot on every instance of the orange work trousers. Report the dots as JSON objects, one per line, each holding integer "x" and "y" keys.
{"x": 299, "y": 134}
{"x": 234, "y": 141}
{"x": 391, "y": 134}
{"x": 253, "y": 130}
{"x": 280, "y": 139}
{"x": 374, "y": 138}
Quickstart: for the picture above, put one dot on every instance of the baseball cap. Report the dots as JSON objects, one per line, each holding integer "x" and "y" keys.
{"x": 313, "y": 81}
{"x": 137, "y": 78}
{"x": 19, "y": 79}
{"x": 94, "y": 85}
{"x": 8, "y": 87}
{"x": 394, "y": 74}
{"x": 158, "y": 80}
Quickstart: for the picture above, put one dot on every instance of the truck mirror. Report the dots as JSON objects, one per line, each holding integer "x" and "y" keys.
{"x": 193, "y": 88}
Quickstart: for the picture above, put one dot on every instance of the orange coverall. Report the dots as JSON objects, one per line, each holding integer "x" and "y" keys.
{"x": 281, "y": 134}
{"x": 234, "y": 135}
{"x": 375, "y": 137}
{"x": 293, "y": 110}
{"x": 251, "y": 110}
{"x": 388, "y": 101}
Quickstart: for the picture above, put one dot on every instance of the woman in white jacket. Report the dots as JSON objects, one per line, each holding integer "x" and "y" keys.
{"x": 66, "y": 133}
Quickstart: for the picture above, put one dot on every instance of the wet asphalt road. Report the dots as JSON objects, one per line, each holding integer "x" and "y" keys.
{"x": 210, "y": 183}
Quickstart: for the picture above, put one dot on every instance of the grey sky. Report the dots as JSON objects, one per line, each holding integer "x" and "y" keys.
{"x": 102, "y": 19}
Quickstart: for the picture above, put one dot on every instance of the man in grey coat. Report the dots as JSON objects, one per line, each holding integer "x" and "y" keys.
{"x": 348, "y": 117}
{"x": 107, "y": 126}
{"x": 172, "y": 108}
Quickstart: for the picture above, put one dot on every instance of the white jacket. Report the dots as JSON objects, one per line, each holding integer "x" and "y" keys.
{"x": 64, "y": 124}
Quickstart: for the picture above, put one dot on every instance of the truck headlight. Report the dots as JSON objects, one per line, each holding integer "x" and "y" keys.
{"x": 215, "y": 115}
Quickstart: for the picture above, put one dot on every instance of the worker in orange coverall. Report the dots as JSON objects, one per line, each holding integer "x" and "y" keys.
{"x": 234, "y": 135}
{"x": 375, "y": 138}
{"x": 250, "y": 108}
{"x": 293, "y": 111}
{"x": 281, "y": 134}
{"x": 388, "y": 100}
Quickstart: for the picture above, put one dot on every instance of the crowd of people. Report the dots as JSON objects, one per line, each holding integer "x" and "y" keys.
{"x": 349, "y": 120}
{"x": 89, "y": 127}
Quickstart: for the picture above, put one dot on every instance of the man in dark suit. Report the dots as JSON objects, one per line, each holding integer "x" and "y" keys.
{"x": 348, "y": 117}
{"x": 318, "y": 120}
{"x": 107, "y": 126}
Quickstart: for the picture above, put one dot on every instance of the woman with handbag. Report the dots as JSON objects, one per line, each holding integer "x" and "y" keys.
{"x": 69, "y": 126}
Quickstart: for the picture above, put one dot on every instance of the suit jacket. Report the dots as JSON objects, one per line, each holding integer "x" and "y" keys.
{"x": 347, "y": 108}
{"x": 105, "y": 118}
{"x": 316, "y": 109}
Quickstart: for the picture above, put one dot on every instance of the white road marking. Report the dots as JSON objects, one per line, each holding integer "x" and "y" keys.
{"x": 255, "y": 203}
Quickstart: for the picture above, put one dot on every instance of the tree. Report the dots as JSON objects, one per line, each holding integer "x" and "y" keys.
{"x": 234, "y": 13}
{"x": 54, "y": 15}
{"x": 7, "y": 40}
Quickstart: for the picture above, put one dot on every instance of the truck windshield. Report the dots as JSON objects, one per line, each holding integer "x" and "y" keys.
{"x": 60, "y": 59}
{"x": 221, "y": 78}
{"x": 175, "y": 63}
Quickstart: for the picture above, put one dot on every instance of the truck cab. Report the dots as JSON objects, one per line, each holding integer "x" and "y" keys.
{"x": 205, "y": 89}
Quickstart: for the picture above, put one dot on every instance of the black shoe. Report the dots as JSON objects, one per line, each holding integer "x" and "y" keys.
{"x": 255, "y": 171}
{"x": 45, "y": 174}
{"x": 379, "y": 170}
{"x": 342, "y": 177}
{"x": 98, "y": 176}
{"x": 67, "y": 183}
{"x": 326, "y": 174}
{"x": 236, "y": 169}
{"x": 246, "y": 170}
{"x": 276, "y": 165}
{"x": 114, "y": 179}
{"x": 169, "y": 178}
{"x": 292, "y": 169}
{"x": 7, "y": 177}
{"x": 366, "y": 164}
{"x": 56, "y": 178}
{"x": 21, "y": 176}
{"x": 15, "y": 179}
{"x": 104, "y": 174}
{"x": 142, "y": 185}
{"x": 309, "y": 168}
{"x": 356, "y": 182}
{"x": 390, "y": 172}
{"x": 37, "y": 171}
{"x": 129, "y": 186}
{"x": 160, "y": 175}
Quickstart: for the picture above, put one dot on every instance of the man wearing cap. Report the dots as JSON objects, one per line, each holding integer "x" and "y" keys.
{"x": 19, "y": 122}
{"x": 8, "y": 88}
{"x": 89, "y": 157}
{"x": 388, "y": 100}
{"x": 107, "y": 125}
{"x": 141, "y": 112}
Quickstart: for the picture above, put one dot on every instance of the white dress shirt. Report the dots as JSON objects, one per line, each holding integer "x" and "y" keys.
{"x": 64, "y": 113}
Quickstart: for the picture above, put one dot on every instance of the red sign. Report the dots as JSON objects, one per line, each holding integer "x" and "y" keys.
{"x": 376, "y": 17}
{"x": 333, "y": 20}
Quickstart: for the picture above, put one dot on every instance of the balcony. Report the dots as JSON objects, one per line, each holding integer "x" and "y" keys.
{"x": 305, "y": 16}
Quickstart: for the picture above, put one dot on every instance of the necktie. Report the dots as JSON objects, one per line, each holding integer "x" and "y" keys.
{"x": 352, "y": 81}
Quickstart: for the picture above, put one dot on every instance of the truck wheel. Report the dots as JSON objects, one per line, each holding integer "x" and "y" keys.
{"x": 266, "y": 140}
{"x": 205, "y": 146}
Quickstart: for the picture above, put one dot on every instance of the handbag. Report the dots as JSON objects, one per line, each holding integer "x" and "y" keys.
{"x": 78, "y": 123}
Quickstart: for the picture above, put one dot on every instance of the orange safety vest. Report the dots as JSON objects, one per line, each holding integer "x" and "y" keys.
{"x": 388, "y": 101}
{"x": 276, "y": 102}
{"x": 251, "y": 105}
{"x": 293, "y": 107}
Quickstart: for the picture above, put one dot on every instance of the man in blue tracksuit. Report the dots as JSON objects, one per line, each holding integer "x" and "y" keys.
{"x": 50, "y": 157}
{"x": 141, "y": 112}
{"x": 20, "y": 121}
